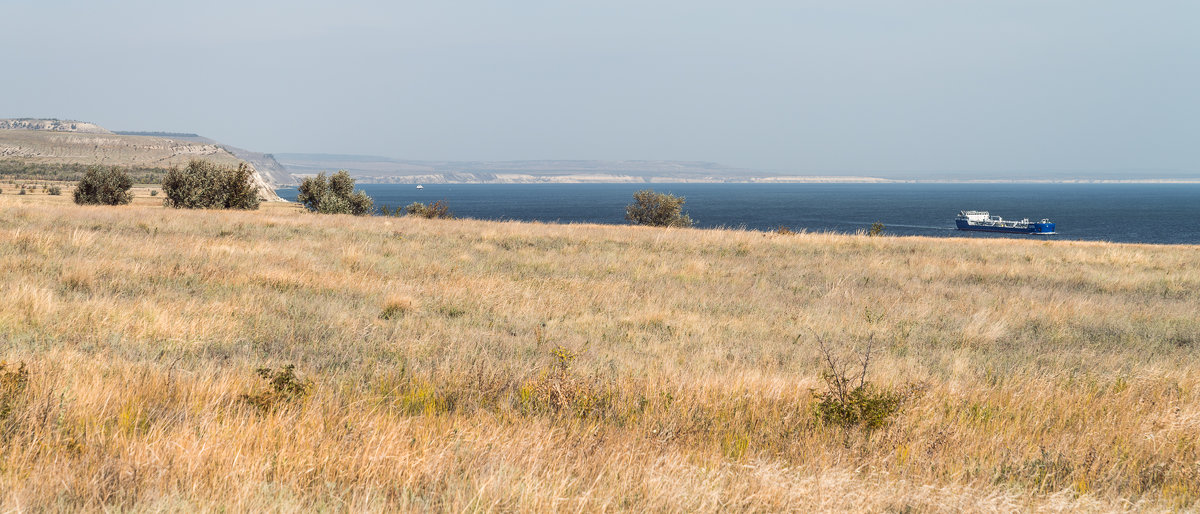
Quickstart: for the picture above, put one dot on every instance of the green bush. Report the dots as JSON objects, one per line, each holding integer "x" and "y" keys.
{"x": 333, "y": 195}
{"x": 435, "y": 210}
{"x": 876, "y": 229}
{"x": 849, "y": 400}
{"x": 54, "y": 190}
{"x": 104, "y": 186}
{"x": 657, "y": 210}
{"x": 203, "y": 185}
{"x": 868, "y": 406}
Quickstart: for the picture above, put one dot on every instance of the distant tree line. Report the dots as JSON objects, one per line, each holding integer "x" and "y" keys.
{"x": 20, "y": 170}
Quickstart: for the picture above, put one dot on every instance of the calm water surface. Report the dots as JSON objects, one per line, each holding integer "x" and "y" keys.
{"x": 1138, "y": 213}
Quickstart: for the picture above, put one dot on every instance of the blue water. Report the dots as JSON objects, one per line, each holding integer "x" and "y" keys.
{"x": 1136, "y": 213}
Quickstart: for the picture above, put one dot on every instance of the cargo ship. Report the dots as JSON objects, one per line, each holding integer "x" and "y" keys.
{"x": 985, "y": 222}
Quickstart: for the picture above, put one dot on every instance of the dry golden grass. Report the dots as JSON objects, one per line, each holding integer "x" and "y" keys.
{"x": 469, "y": 365}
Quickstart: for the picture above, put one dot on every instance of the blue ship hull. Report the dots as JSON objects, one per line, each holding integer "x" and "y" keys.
{"x": 1033, "y": 228}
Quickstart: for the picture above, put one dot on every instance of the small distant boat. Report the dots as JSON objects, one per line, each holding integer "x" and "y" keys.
{"x": 419, "y": 186}
{"x": 985, "y": 222}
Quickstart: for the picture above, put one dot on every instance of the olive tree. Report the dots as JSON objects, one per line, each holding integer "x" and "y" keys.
{"x": 657, "y": 210}
{"x": 204, "y": 185}
{"x": 333, "y": 195}
{"x": 104, "y": 186}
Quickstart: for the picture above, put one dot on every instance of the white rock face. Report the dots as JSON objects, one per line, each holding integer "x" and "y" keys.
{"x": 52, "y": 125}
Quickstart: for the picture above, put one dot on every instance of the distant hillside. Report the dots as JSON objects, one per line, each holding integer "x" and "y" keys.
{"x": 374, "y": 169}
{"x": 57, "y": 149}
{"x": 264, "y": 163}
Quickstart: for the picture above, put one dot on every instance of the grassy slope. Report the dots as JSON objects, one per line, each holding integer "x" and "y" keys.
{"x": 1056, "y": 375}
{"x": 45, "y": 148}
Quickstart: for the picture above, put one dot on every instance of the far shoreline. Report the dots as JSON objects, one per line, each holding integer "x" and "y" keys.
{"x": 770, "y": 180}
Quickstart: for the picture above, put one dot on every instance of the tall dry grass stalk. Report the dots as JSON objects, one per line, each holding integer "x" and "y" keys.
{"x": 470, "y": 365}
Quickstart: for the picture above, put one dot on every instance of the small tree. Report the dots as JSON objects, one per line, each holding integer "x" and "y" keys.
{"x": 204, "y": 185}
{"x": 849, "y": 399}
{"x": 104, "y": 186}
{"x": 657, "y": 210}
{"x": 334, "y": 195}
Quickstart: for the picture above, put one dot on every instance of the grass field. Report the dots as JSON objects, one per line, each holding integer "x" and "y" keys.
{"x": 471, "y": 365}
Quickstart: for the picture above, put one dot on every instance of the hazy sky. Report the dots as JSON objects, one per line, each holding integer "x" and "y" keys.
{"x": 834, "y": 86}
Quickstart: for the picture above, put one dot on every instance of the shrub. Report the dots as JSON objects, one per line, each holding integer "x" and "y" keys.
{"x": 22, "y": 190}
{"x": 435, "y": 210}
{"x": 54, "y": 190}
{"x": 283, "y": 387}
{"x": 849, "y": 400}
{"x": 104, "y": 186}
{"x": 657, "y": 210}
{"x": 153, "y": 192}
{"x": 876, "y": 229}
{"x": 333, "y": 195}
{"x": 203, "y": 185}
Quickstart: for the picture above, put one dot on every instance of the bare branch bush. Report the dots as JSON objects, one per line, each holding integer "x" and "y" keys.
{"x": 849, "y": 400}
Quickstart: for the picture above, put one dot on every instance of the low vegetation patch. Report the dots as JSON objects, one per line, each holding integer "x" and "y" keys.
{"x": 435, "y": 210}
{"x": 204, "y": 185}
{"x": 396, "y": 308}
{"x": 283, "y": 387}
{"x": 21, "y": 170}
{"x": 104, "y": 186}
{"x": 561, "y": 392}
